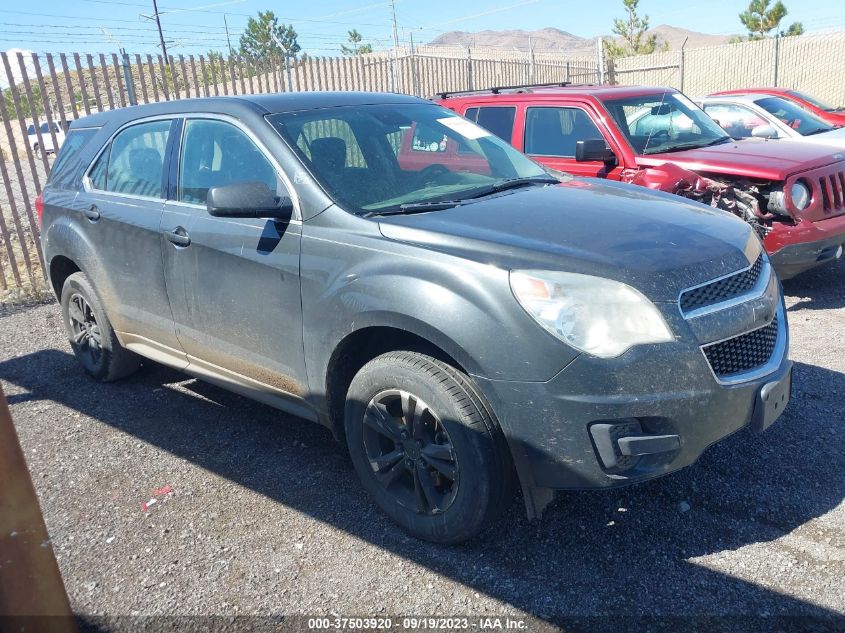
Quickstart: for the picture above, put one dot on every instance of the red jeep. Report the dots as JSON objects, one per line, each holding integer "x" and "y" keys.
{"x": 793, "y": 194}
{"x": 833, "y": 115}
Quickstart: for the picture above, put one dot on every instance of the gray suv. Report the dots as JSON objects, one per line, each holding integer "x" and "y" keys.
{"x": 379, "y": 265}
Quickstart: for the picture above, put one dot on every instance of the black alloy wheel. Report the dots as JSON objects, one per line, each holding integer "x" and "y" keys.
{"x": 410, "y": 452}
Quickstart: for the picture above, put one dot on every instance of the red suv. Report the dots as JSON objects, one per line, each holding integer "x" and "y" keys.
{"x": 833, "y": 115}
{"x": 794, "y": 195}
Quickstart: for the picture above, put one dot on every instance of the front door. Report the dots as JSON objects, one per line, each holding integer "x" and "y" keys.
{"x": 233, "y": 283}
{"x": 551, "y": 135}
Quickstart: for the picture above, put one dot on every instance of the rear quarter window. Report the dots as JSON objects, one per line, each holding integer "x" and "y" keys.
{"x": 68, "y": 167}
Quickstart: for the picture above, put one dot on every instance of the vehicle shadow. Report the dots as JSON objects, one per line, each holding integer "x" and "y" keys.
{"x": 821, "y": 288}
{"x": 629, "y": 553}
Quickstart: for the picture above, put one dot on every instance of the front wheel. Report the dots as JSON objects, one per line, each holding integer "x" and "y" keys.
{"x": 426, "y": 447}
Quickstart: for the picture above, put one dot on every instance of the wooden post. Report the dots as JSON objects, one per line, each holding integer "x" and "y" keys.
{"x": 35, "y": 586}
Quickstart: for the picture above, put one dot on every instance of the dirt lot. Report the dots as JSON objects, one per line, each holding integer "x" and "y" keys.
{"x": 266, "y": 516}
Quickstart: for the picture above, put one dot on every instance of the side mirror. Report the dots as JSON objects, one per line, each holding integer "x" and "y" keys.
{"x": 764, "y": 131}
{"x": 248, "y": 200}
{"x": 594, "y": 149}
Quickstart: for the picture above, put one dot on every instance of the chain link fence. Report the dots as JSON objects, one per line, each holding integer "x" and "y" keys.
{"x": 810, "y": 63}
{"x": 44, "y": 93}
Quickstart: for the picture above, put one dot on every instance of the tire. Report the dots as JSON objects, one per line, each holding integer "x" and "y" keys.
{"x": 90, "y": 333}
{"x": 37, "y": 150}
{"x": 445, "y": 475}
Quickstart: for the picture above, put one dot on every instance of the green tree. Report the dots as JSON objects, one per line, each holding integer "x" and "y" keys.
{"x": 256, "y": 40}
{"x": 632, "y": 31}
{"x": 214, "y": 59}
{"x": 796, "y": 28}
{"x": 761, "y": 19}
{"x": 27, "y": 109}
{"x": 355, "y": 47}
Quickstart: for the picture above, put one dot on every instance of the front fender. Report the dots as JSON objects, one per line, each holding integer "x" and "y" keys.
{"x": 464, "y": 307}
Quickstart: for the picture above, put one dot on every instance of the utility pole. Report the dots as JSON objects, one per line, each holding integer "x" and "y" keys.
{"x": 160, "y": 34}
{"x": 395, "y": 44}
{"x": 228, "y": 40}
{"x": 163, "y": 48}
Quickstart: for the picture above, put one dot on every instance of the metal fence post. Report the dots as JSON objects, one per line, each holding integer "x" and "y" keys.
{"x": 469, "y": 69}
{"x": 776, "y": 60}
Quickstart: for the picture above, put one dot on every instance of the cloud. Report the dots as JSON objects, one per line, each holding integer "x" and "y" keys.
{"x": 14, "y": 64}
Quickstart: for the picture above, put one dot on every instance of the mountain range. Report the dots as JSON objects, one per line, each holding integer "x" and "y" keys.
{"x": 556, "y": 40}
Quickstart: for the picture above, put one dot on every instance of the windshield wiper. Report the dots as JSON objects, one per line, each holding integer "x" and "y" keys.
{"x": 513, "y": 183}
{"x": 686, "y": 146}
{"x": 415, "y": 207}
{"x": 819, "y": 131}
{"x": 439, "y": 205}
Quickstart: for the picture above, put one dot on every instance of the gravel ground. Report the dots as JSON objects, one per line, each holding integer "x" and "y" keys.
{"x": 266, "y": 516}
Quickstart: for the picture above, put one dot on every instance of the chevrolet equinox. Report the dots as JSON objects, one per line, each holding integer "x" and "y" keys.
{"x": 465, "y": 328}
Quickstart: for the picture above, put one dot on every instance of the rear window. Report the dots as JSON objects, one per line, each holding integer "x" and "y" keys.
{"x": 498, "y": 120}
{"x": 67, "y": 165}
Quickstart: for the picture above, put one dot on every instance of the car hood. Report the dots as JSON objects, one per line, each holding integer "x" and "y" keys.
{"x": 656, "y": 242}
{"x": 750, "y": 158}
{"x": 835, "y": 138}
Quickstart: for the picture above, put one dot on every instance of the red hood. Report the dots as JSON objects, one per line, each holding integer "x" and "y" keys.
{"x": 752, "y": 158}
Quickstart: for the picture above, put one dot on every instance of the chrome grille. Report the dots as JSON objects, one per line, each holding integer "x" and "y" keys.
{"x": 722, "y": 289}
{"x": 743, "y": 353}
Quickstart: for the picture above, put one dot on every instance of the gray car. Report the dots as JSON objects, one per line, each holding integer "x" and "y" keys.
{"x": 379, "y": 265}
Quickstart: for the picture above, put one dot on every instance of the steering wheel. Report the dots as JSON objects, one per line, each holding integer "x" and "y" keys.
{"x": 428, "y": 173}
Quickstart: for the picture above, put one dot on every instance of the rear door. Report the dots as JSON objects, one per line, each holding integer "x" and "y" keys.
{"x": 233, "y": 283}
{"x": 119, "y": 210}
{"x": 551, "y": 133}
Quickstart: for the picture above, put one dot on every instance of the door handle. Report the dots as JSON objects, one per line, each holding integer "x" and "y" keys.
{"x": 92, "y": 213}
{"x": 178, "y": 236}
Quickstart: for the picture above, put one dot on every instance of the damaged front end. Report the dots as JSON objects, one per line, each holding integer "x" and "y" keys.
{"x": 759, "y": 203}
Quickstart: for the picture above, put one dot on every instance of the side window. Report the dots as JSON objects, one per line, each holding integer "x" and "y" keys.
{"x": 331, "y": 140}
{"x": 555, "y": 131}
{"x": 498, "y": 120}
{"x": 67, "y": 164}
{"x": 134, "y": 161}
{"x": 216, "y": 153}
{"x": 737, "y": 121}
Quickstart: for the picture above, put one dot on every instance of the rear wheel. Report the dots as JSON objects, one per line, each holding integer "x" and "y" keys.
{"x": 37, "y": 149}
{"x": 90, "y": 333}
{"x": 426, "y": 447}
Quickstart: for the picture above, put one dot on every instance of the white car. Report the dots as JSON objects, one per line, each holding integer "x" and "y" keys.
{"x": 49, "y": 147}
{"x": 771, "y": 117}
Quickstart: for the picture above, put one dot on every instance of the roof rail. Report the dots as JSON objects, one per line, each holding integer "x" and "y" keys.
{"x": 496, "y": 90}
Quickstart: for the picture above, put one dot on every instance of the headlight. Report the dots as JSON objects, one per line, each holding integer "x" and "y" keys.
{"x": 598, "y": 316}
{"x": 800, "y": 196}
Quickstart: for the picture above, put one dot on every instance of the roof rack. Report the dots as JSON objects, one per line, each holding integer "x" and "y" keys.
{"x": 498, "y": 89}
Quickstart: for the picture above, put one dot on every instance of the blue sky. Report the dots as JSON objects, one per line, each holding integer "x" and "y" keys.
{"x": 195, "y": 26}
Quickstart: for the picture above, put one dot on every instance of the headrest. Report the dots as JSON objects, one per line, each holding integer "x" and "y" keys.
{"x": 329, "y": 152}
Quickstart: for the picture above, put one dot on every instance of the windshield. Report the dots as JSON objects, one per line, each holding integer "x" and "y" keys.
{"x": 790, "y": 113}
{"x": 821, "y": 105}
{"x": 373, "y": 158}
{"x": 667, "y": 122}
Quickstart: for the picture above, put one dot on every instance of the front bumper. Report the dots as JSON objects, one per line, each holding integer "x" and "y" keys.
{"x": 667, "y": 389}
{"x": 796, "y": 248}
